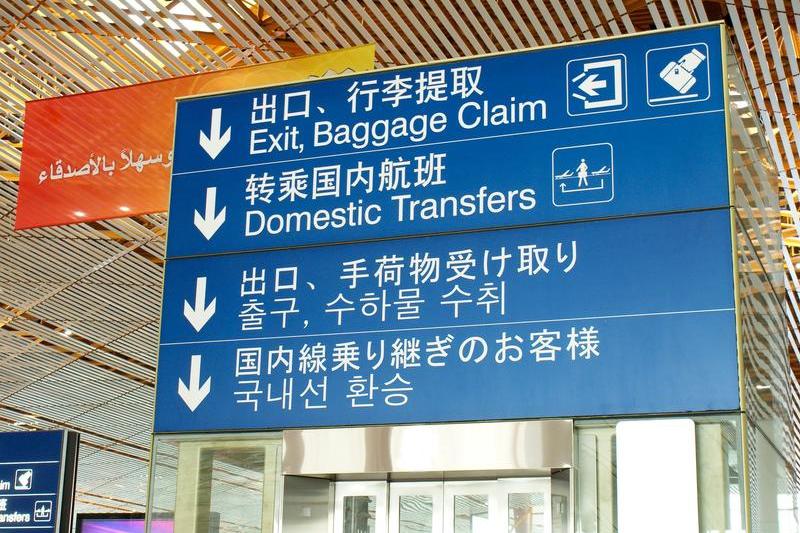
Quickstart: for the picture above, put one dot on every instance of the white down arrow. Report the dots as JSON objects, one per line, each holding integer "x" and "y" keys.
{"x": 199, "y": 314}
{"x": 214, "y": 143}
{"x": 209, "y": 222}
{"x": 194, "y": 394}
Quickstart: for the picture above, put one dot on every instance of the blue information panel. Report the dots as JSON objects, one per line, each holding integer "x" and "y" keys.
{"x": 605, "y": 317}
{"x": 625, "y": 126}
{"x": 32, "y": 469}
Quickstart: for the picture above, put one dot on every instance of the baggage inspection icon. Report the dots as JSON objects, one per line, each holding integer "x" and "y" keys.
{"x": 677, "y": 74}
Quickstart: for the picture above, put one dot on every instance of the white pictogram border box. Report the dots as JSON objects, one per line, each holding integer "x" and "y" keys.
{"x": 16, "y": 477}
{"x": 553, "y": 175}
{"x": 687, "y": 100}
{"x": 624, "y": 87}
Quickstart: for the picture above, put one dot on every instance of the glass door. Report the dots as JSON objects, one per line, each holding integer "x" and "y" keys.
{"x": 507, "y": 505}
{"x": 513, "y": 505}
{"x": 360, "y": 507}
{"x": 415, "y": 507}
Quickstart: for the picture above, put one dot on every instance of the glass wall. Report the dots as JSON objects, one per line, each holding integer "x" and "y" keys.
{"x": 719, "y": 464}
{"x": 231, "y": 483}
{"x": 216, "y": 484}
{"x": 772, "y": 504}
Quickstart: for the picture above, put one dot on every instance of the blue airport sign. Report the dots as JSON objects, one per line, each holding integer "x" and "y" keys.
{"x": 625, "y": 126}
{"x": 621, "y": 316}
{"x": 33, "y": 466}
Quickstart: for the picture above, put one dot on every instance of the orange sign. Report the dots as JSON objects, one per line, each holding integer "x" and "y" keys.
{"x": 108, "y": 154}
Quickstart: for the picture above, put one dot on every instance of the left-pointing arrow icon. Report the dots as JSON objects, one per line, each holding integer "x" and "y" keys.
{"x": 200, "y": 313}
{"x": 590, "y": 84}
{"x": 209, "y": 222}
{"x": 214, "y": 142}
{"x": 194, "y": 394}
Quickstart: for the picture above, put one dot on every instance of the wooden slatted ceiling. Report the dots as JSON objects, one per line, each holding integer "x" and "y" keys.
{"x": 79, "y": 304}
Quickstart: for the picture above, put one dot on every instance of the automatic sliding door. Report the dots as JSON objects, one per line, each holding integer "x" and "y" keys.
{"x": 514, "y": 505}
{"x": 507, "y": 505}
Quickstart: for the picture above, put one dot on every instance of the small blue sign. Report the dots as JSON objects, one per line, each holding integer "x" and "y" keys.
{"x": 559, "y": 320}
{"x": 31, "y": 480}
{"x": 461, "y": 145}
{"x": 678, "y": 74}
{"x": 597, "y": 84}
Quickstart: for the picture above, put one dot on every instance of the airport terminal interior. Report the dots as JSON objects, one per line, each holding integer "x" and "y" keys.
{"x": 81, "y": 301}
